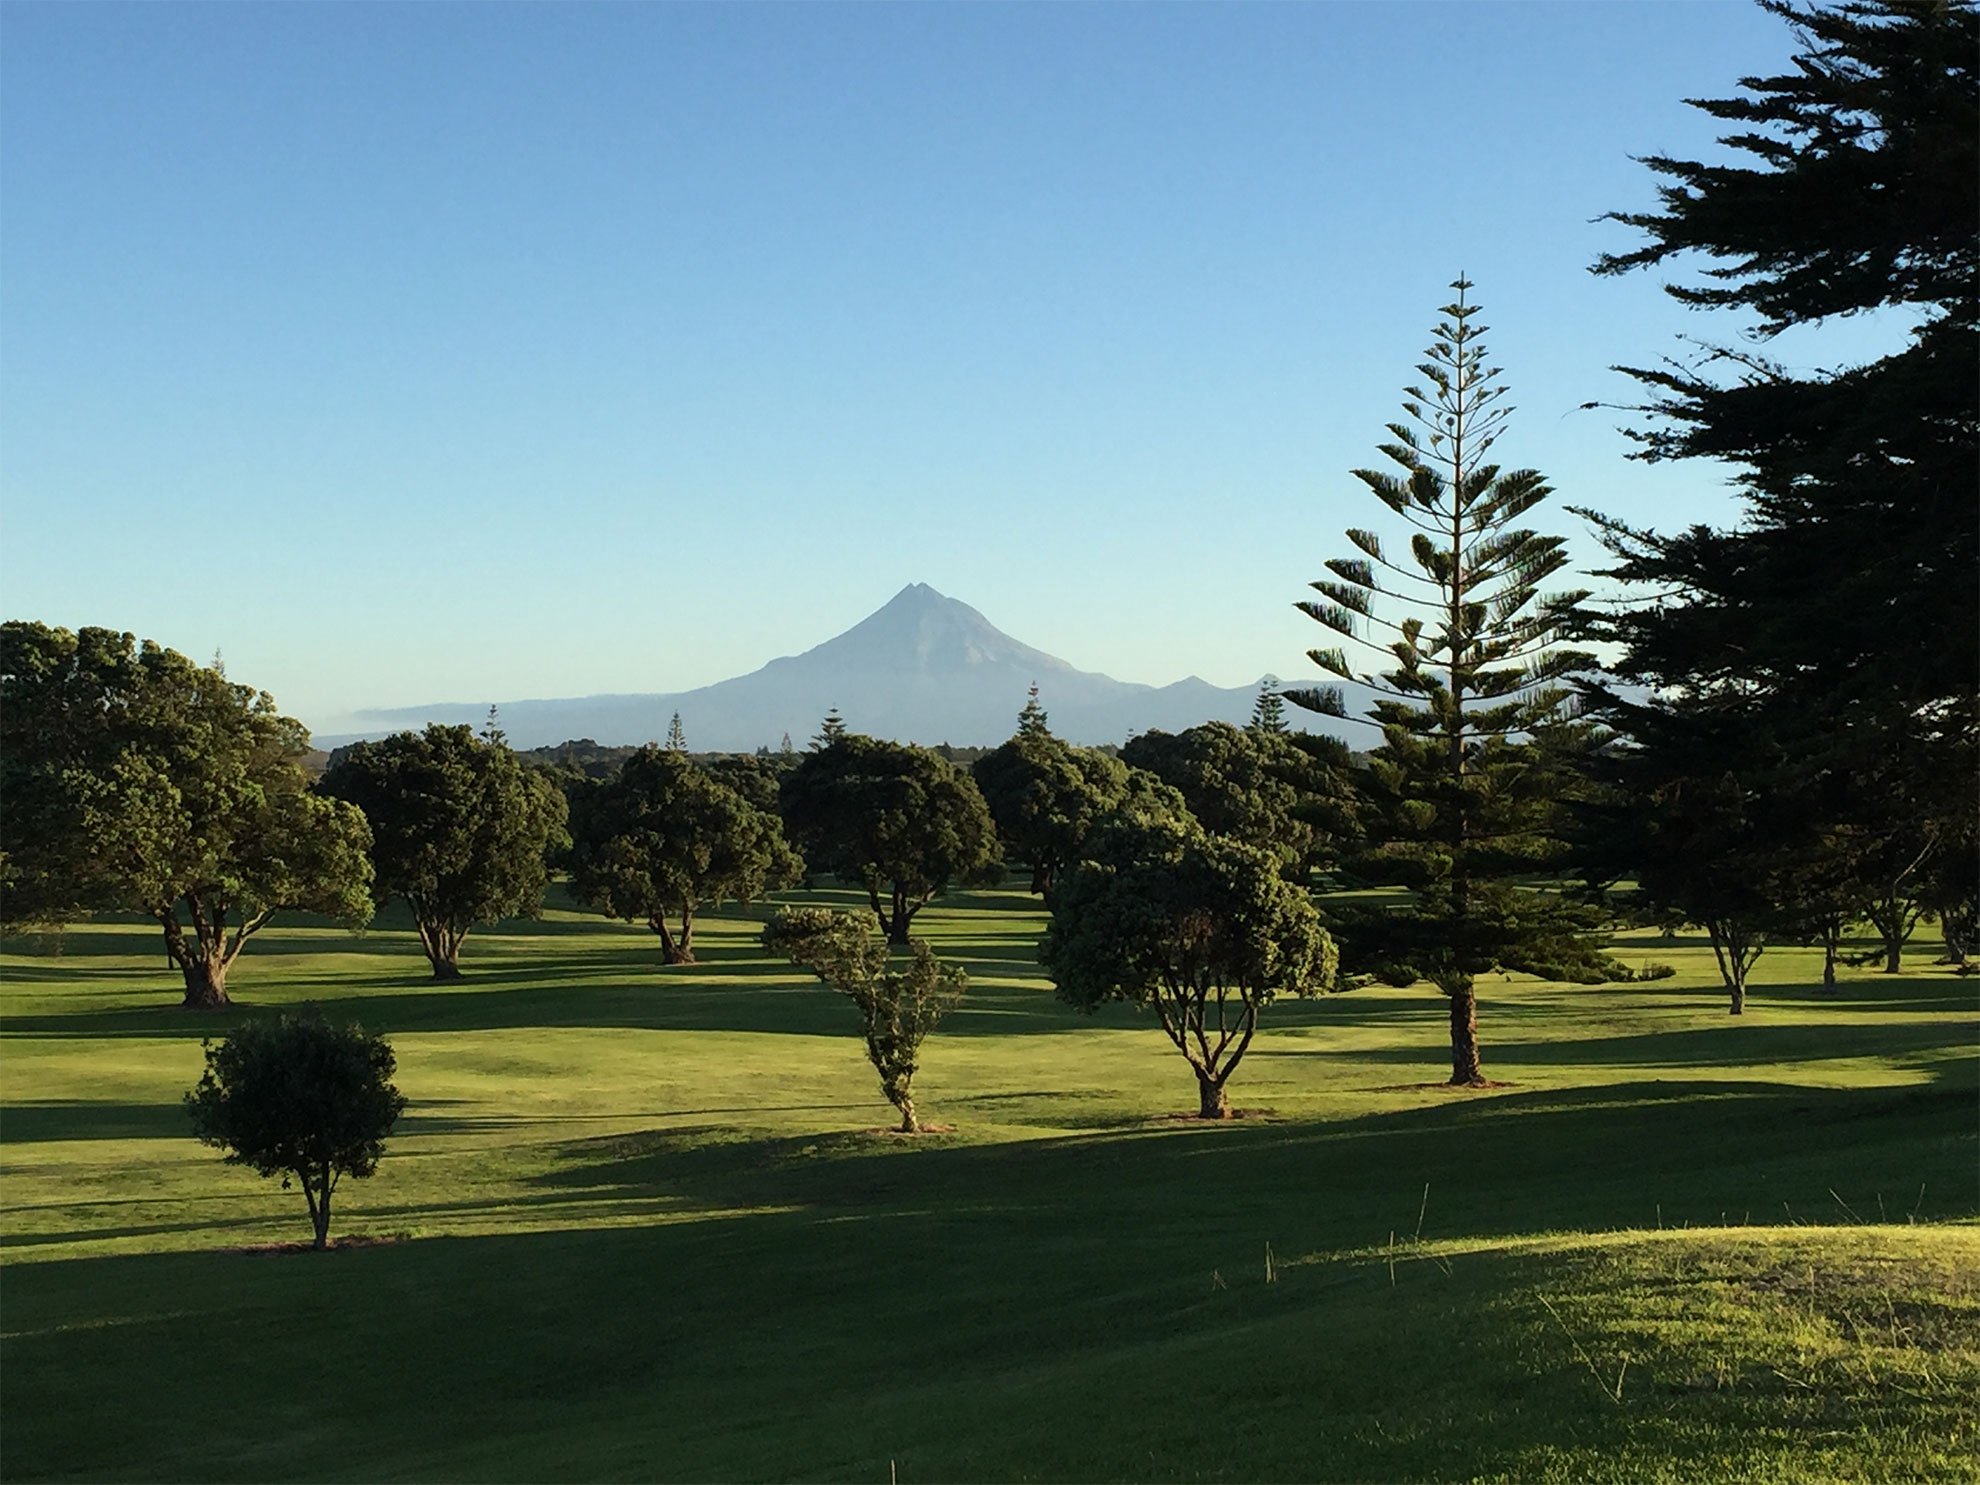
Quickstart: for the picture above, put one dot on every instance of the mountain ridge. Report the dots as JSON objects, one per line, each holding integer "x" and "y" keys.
{"x": 923, "y": 668}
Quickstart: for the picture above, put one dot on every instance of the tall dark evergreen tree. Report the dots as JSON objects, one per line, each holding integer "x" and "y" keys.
{"x": 1268, "y": 712}
{"x": 676, "y": 735}
{"x": 1031, "y": 721}
{"x": 1463, "y": 801}
{"x": 1842, "y": 615}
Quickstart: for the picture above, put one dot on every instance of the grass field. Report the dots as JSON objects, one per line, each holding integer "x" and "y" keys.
{"x": 645, "y": 1223}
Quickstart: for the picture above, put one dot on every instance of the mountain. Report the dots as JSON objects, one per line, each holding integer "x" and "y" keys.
{"x": 924, "y": 668}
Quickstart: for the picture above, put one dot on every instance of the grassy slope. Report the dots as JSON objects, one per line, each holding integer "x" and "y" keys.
{"x": 660, "y": 1237}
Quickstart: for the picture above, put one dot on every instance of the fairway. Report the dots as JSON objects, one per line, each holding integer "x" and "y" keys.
{"x": 649, "y": 1223}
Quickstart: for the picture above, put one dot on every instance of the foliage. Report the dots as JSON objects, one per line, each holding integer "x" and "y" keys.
{"x": 579, "y": 755}
{"x": 897, "y": 1008}
{"x": 1203, "y": 929}
{"x": 1286, "y": 795}
{"x": 1687, "y": 813}
{"x": 1840, "y": 617}
{"x": 757, "y": 778}
{"x": 459, "y": 829}
{"x": 302, "y": 1099}
{"x": 666, "y": 836}
{"x": 898, "y": 820}
{"x": 1032, "y": 721}
{"x": 1044, "y": 795}
{"x": 135, "y": 778}
{"x": 1268, "y": 712}
{"x": 676, "y": 735}
{"x": 1464, "y": 795}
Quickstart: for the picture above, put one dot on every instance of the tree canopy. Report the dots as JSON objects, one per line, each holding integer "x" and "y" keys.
{"x": 901, "y": 821}
{"x": 1044, "y": 795}
{"x": 666, "y": 836}
{"x": 300, "y": 1099}
{"x": 1201, "y": 929}
{"x": 134, "y": 778}
{"x": 1282, "y": 794}
{"x": 459, "y": 830}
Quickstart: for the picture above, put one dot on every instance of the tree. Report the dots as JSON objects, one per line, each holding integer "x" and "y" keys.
{"x": 1202, "y": 929}
{"x": 901, "y": 821}
{"x": 665, "y": 837}
{"x": 1688, "y": 812}
{"x": 897, "y": 1008}
{"x": 676, "y": 736}
{"x": 829, "y": 731}
{"x": 459, "y": 830}
{"x": 1842, "y": 614}
{"x": 1044, "y": 795}
{"x": 1031, "y": 721}
{"x": 1462, "y": 800}
{"x": 134, "y": 778}
{"x": 755, "y": 778}
{"x": 300, "y": 1099}
{"x": 1281, "y": 794}
{"x": 1268, "y": 713}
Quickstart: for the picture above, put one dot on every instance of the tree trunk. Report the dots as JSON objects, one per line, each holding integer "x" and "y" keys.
{"x": 1041, "y": 877}
{"x": 909, "y": 1125}
{"x": 322, "y": 1215}
{"x": 897, "y": 926}
{"x": 1465, "y": 1071}
{"x": 1830, "y": 936}
{"x": 1737, "y": 948}
{"x": 203, "y": 964}
{"x": 672, "y": 950}
{"x": 1212, "y": 1102}
{"x": 206, "y": 982}
{"x": 443, "y": 949}
{"x": 1890, "y": 920}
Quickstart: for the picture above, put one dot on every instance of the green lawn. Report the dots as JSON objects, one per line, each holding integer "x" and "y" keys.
{"x": 648, "y": 1223}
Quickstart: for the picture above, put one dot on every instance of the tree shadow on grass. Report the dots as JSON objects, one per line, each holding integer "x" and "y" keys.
{"x": 46, "y": 1120}
{"x": 949, "y": 1305}
{"x": 1517, "y": 1161}
{"x": 619, "y": 991}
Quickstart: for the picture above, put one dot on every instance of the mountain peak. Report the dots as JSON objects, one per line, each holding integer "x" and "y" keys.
{"x": 919, "y": 630}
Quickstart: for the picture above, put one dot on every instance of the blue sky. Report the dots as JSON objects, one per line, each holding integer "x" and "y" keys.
{"x": 462, "y": 352}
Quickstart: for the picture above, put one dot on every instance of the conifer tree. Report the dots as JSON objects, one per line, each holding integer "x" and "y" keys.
{"x": 1841, "y": 616}
{"x": 830, "y": 730}
{"x": 676, "y": 735}
{"x": 1462, "y": 798}
{"x": 1268, "y": 713}
{"x": 1031, "y": 721}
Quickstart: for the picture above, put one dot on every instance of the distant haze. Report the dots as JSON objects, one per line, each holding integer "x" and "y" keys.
{"x": 924, "y": 668}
